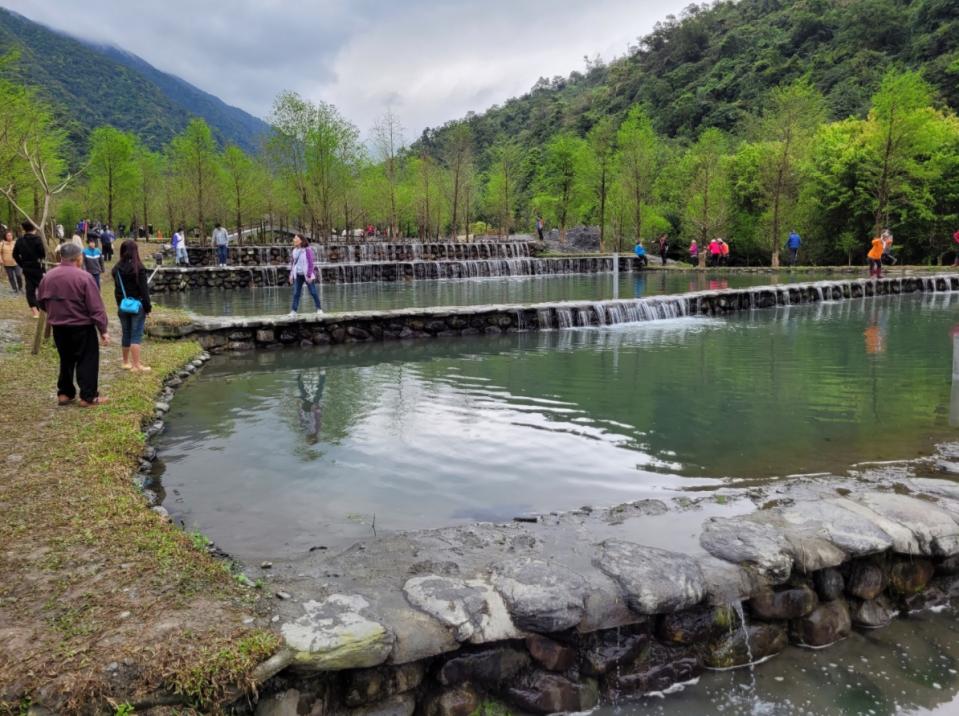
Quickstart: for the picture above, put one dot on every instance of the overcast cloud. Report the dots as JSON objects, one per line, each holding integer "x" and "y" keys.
{"x": 432, "y": 61}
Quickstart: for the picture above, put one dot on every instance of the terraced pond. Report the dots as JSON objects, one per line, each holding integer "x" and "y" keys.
{"x": 466, "y": 292}
{"x": 275, "y": 452}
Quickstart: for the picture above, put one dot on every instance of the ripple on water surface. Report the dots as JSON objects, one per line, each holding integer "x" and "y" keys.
{"x": 279, "y": 451}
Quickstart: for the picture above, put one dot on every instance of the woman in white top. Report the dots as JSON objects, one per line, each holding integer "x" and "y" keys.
{"x": 303, "y": 271}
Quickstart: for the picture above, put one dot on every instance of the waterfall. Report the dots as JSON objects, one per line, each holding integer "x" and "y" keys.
{"x": 564, "y": 317}
{"x": 544, "y": 317}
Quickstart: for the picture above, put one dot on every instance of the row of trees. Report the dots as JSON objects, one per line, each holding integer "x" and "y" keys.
{"x": 785, "y": 168}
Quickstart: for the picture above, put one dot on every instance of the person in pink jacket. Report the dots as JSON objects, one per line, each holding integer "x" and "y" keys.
{"x": 303, "y": 271}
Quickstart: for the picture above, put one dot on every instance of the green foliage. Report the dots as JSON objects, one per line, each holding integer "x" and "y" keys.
{"x": 92, "y": 86}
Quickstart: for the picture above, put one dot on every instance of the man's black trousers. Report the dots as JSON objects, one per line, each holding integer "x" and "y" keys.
{"x": 79, "y": 349}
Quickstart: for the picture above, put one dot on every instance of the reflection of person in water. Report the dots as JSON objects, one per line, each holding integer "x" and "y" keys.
{"x": 875, "y": 340}
{"x": 311, "y": 407}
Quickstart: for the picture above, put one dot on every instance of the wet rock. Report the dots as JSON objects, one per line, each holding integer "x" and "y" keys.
{"x": 546, "y": 693}
{"x": 603, "y": 651}
{"x": 865, "y": 580}
{"x": 368, "y": 686}
{"x": 471, "y": 608}
{"x": 902, "y": 538}
{"x": 399, "y": 705}
{"x": 784, "y": 604}
{"x": 416, "y": 635}
{"x": 655, "y": 581}
{"x": 742, "y": 541}
{"x": 910, "y": 576}
{"x": 541, "y": 596}
{"x": 162, "y": 407}
{"x": 828, "y": 623}
{"x": 932, "y": 597}
{"x": 829, "y": 584}
{"x": 872, "y": 614}
{"x": 948, "y": 566}
{"x": 696, "y": 625}
{"x": 491, "y": 667}
{"x": 265, "y": 335}
{"x": 334, "y": 634}
{"x": 285, "y": 703}
{"x": 726, "y": 582}
{"x": 462, "y": 700}
{"x": 551, "y": 655}
{"x": 934, "y": 529}
{"x": 655, "y": 668}
{"x": 739, "y": 647}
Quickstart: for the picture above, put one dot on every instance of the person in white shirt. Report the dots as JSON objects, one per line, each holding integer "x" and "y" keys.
{"x": 180, "y": 255}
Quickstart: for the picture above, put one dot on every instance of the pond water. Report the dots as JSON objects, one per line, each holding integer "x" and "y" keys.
{"x": 909, "y": 667}
{"x": 468, "y": 292}
{"x": 277, "y": 451}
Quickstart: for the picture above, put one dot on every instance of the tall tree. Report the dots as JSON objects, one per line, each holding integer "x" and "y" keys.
{"x": 32, "y": 168}
{"x": 149, "y": 169}
{"x": 242, "y": 184}
{"x": 791, "y": 117}
{"x": 458, "y": 154}
{"x": 560, "y": 179}
{"x": 707, "y": 193}
{"x": 112, "y": 167}
{"x": 899, "y": 134}
{"x": 388, "y": 140}
{"x": 194, "y": 159}
{"x": 602, "y": 145}
{"x": 501, "y": 181}
{"x": 638, "y": 162}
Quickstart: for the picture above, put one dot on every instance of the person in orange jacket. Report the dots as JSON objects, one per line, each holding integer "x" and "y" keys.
{"x": 875, "y": 256}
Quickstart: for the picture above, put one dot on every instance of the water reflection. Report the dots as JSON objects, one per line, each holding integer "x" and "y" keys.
{"x": 311, "y": 404}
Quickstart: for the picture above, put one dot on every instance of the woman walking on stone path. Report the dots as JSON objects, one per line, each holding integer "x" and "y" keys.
{"x": 14, "y": 273}
{"x": 303, "y": 271}
{"x": 131, "y": 290}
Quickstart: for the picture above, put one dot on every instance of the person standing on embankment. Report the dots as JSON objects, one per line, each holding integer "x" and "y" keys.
{"x": 221, "y": 239}
{"x": 14, "y": 273}
{"x": 29, "y": 254}
{"x": 875, "y": 256}
{"x": 75, "y": 310}
{"x": 793, "y": 243}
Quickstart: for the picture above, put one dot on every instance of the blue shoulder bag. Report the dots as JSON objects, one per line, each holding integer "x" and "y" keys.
{"x": 128, "y": 305}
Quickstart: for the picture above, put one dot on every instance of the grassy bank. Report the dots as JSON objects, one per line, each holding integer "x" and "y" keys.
{"x": 102, "y": 603}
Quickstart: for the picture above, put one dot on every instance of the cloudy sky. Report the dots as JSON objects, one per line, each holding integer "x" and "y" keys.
{"x": 431, "y": 60}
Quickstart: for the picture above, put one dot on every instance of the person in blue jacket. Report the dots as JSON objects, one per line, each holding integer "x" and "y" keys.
{"x": 640, "y": 251}
{"x": 793, "y": 243}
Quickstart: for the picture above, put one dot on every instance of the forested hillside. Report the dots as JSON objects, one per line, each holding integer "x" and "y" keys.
{"x": 714, "y": 66}
{"x": 88, "y": 86}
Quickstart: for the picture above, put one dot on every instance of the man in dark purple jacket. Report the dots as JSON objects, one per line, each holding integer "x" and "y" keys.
{"x": 75, "y": 310}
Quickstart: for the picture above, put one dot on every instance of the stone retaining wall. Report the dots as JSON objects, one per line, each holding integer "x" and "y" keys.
{"x": 174, "y": 279}
{"x": 248, "y": 333}
{"x": 542, "y": 618}
{"x": 365, "y": 252}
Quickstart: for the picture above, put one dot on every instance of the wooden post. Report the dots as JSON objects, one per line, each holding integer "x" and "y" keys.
{"x": 43, "y": 331}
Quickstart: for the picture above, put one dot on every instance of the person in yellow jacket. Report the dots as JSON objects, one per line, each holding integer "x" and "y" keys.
{"x": 875, "y": 257}
{"x": 14, "y": 274}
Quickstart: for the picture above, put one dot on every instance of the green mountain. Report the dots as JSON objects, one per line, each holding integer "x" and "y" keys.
{"x": 92, "y": 85}
{"x": 714, "y": 65}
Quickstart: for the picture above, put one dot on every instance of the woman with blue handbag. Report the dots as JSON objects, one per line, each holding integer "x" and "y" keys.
{"x": 132, "y": 292}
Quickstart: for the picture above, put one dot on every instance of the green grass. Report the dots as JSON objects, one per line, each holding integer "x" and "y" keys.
{"x": 95, "y": 576}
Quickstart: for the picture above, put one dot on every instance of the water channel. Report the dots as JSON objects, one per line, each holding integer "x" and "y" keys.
{"x": 466, "y": 292}
{"x": 272, "y": 452}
